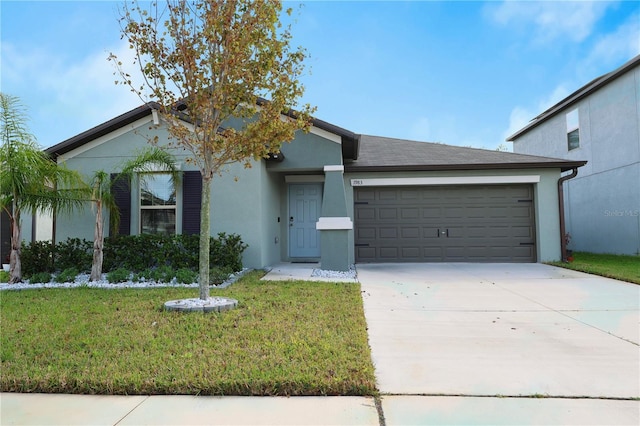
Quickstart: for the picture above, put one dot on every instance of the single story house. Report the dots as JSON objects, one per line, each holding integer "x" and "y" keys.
{"x": 339, "y": 198}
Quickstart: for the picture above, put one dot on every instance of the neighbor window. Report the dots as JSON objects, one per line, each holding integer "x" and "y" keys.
{"x": 157, "y": 204}
{"x": 573, "y": 130}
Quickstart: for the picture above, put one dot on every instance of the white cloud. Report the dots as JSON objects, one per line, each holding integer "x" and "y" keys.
{"x": 613, "y": 49}
{"x": 65, "y": 97}
{"x": 521, "y": 116}
{"x": 552, "y": 20}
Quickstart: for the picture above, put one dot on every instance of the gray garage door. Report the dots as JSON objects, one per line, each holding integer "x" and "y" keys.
{"x": 474, "y": 223}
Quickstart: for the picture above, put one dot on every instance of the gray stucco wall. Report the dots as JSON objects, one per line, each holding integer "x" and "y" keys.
{"x": 308, "y": 152}
{"x": 244, "y": 201}
{"x": 602, "y": 204}
{"x": 236, "y": 206}
{"x": 547, "y": 219}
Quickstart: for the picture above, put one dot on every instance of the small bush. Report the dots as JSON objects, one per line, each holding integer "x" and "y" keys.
{"x": 4, "y": 277}
{"x": 119, "y": 275}
{"x": 163, "y": 274}
{"x": 67, "y": 276}
{"x": 143, "y": 276}
{"x": 219, "y": 275}
{"x": 186, "y": 276}
{"x": 36, "y": 257}
{"x": 40, "y": 277}
{"x": 74, "y": 253}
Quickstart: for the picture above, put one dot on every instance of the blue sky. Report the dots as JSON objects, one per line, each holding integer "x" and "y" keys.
{"x": 460, "y": 73}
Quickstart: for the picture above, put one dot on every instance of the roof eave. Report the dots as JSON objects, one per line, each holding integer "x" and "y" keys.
{"x": 100, "y": 130}
{"x": 562, "y": 165}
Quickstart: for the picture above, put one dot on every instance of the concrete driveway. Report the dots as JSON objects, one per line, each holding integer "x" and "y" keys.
{"x": 501, "y": 330}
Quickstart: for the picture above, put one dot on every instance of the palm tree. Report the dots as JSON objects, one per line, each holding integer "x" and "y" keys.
{"x": 29, "y": 180}
{"x": 102, "y": 195}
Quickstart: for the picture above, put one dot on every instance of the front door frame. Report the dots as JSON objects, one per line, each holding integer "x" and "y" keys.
{"x": 311, "y": 246}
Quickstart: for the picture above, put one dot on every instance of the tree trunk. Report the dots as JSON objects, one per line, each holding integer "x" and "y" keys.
{"x": 205, "y": 238}
{"x": 98, "y": 244}
{"x": 15, "y": 270}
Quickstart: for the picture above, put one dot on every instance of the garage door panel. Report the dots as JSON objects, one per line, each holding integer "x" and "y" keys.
{"x": 388, "y": 253}
{"x": 410, "y": 232}
{"x": 484, "y": 223}
{"x": 431, "y": 212}
{"x": 388, "y": 213}
{"x": 366, "y": 254}
{"x": 363, "y": 214}
{"x": 388, "y": 233}
{"x": 363, "y": 233}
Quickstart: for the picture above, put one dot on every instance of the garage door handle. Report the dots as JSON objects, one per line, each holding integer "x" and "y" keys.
{"x": 527, "y": 244}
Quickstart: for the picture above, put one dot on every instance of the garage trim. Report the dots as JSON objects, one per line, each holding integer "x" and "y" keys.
{"x": 451, "y": 180}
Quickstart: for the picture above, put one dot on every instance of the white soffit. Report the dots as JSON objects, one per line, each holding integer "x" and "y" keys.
{"x": 109, "y": 136}
{"x": 450, "y": 180}
{"x": 327, "y": 135}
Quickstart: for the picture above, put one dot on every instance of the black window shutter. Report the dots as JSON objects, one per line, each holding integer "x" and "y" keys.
{"x": 121, "y": 191}
{"x": 191, "y": 196}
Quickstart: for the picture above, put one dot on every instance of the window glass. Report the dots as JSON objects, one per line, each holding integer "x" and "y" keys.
{"x": 573, "y": 139}
{"x": 158, "y": 221}
{"x": 156, "y": 189}
{"x": 157, "y": 204}
{"x": 573, "y": 129}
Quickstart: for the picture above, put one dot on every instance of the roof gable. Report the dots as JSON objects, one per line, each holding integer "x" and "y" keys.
{"x": 348, "y": 139}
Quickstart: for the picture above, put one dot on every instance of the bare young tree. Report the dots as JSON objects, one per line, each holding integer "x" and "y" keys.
{"x": 207, "y": 63}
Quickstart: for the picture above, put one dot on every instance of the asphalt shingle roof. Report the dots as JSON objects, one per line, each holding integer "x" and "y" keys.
{"x": 389, "y": 154}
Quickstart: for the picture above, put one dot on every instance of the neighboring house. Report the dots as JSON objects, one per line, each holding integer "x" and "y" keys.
{"x": 600, "y": 122}
{"x": 339, "y": 198}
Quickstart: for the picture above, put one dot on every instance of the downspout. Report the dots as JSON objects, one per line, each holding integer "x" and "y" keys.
{"x": 563, "y": 242}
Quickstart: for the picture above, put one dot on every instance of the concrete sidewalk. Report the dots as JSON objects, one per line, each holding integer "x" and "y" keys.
{"x": 57, "y": 409}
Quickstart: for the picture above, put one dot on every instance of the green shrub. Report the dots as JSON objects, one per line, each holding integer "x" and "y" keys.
{"x": 186, "y": 276}
{"x": 163, "y": 274}
{"x": 119, "y": 275}
{"x": 143, "y": 275}
{"x": 36, "y": 256}
{"x": 40, "y": 277}
{"x": 67, "y": 276}
{"x": 4, "y": 277}
{"x": 74, "y": 253}
{"x": 219, "y": 275}
{"x": 140, "y": 252}
{"x": 226, "y": 251}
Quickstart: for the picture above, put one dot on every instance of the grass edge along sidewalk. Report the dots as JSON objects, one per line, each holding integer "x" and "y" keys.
{"x": 619, "y": 267}
{"x": 285, "y": 338}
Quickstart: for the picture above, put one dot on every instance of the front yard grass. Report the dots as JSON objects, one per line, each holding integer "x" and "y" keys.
{"x": 620, "y": 267}
{"x": 285, "y": 338}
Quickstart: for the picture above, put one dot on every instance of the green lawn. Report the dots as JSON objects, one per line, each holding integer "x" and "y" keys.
{"x": 625, "y": 268}
{"x": 285, "y": 338}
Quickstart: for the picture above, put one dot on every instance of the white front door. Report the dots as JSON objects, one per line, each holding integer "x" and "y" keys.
{"x": 305, "y": 202}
